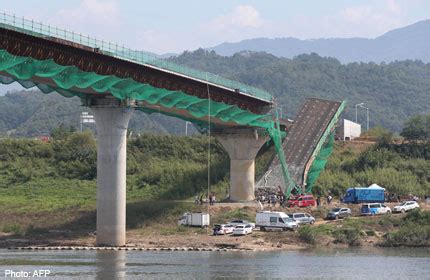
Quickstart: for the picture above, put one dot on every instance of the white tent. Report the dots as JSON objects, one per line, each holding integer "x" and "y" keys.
{"x": 375, "y": 186}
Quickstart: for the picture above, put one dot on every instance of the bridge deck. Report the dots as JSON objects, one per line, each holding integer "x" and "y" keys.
{"x": 78, "y": 41}
{"x": 310, "y": 124}
{"x": 302, "y": 139}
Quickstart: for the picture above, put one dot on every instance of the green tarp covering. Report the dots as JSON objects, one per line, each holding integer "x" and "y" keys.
{"x": 69, "y": 80}
{"x": 319, "y": 162}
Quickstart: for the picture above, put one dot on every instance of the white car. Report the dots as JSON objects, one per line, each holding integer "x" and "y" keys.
{"x": 223, "y": 229}
{"x": 371, "y": 209}
{"x": 241, "y": 222}
{"x": 406, "y": 206}
{"x": 242, "y": 229}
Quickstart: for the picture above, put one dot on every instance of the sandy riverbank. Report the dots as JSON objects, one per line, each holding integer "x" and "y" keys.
{"x": 165, "y": 233}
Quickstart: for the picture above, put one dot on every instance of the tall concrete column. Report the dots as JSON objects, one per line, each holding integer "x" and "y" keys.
{"x": 111, "y": 122}
{"x": 242, "y": 145}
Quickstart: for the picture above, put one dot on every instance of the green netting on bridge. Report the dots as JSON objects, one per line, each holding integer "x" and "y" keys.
{"x": 48, "y": 32}
{"x": 69, "y": 80}
{"x": 319, "y": 162}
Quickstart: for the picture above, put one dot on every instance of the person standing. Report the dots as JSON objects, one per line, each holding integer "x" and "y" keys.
{"x": 329, "y": 199}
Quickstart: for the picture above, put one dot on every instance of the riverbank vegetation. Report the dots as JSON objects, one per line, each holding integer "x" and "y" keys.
{"x": 51, "y": 185}
{"x": 412, "y": 230}
{"x": 401, "y": 165}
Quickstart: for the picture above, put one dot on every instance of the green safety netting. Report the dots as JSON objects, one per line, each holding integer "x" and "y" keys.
{"x": 277, "y": 136}
{"x": 69, "y": 79}
{"x": 319, "y": 162}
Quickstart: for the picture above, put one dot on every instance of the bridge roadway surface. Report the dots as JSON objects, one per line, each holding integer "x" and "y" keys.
{"x": 312, "y": 121}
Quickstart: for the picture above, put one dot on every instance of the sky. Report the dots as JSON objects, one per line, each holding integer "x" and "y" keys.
{"x": 174, "y": 26}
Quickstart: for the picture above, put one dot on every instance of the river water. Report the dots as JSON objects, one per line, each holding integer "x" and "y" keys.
{"x": 315, "y": 264}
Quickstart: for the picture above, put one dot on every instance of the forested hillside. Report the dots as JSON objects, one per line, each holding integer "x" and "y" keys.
{"x": 393, "y": 92}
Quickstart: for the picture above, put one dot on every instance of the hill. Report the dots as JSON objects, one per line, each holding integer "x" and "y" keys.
{"x": 393, "y": 92}
{"x": 410, "y": 42}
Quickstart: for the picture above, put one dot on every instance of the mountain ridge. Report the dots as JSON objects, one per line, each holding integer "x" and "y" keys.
{"x": 390, "y": 46}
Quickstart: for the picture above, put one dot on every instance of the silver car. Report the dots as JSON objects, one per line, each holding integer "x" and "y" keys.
{"x": 337, "y": 213}
{"x": 302, "y": 218}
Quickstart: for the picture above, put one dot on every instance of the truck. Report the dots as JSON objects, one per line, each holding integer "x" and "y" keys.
{"x": 194, "y": 219}
{"x": 373, "y": 193}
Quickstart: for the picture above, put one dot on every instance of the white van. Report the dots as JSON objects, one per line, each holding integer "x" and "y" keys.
{"x": 267, "y": 220}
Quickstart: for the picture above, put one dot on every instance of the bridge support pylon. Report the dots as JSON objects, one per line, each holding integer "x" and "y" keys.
{"x": 111, "y": 122}
{"x": 242, "y": 146}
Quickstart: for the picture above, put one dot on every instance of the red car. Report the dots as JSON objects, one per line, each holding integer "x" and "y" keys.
{"x": 302, "y": 201}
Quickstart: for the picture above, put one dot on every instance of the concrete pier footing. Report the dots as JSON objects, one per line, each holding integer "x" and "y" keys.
{"x": 242, "y": 145}
{"x": 111, "y": 122}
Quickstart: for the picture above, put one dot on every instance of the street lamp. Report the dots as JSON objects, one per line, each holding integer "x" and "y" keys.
{"x": 280, "y": 109}
{"x": 356, "y": 105}
{"x": 367, "y": 117}
{"x": 367, "y": 114}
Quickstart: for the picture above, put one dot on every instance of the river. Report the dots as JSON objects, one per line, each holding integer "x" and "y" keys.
{"x": 314, "y": 264}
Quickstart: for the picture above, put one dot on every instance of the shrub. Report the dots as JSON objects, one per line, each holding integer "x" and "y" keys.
{"x": 308, "y": 234}
{"x": 350, "y": 236}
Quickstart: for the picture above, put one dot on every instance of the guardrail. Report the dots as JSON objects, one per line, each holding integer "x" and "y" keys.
{"x": 38, "y": 29}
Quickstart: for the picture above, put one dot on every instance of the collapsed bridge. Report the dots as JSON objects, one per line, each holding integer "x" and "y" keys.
{"x": 113, "y": 81}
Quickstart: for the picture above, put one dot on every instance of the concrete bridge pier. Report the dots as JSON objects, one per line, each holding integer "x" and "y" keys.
{"x": 111, "y": 121}
{"x": 242, "y": 145}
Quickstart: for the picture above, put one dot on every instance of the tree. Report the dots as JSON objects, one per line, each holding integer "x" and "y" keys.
{"x": 417, "y": 128}
{"x": 60, "y": 132}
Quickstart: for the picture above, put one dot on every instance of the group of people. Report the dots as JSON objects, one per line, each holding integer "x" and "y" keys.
{"x": 272, "y": 197}
{"x": 204, "y": 198}
{"x": 392, "y": 197}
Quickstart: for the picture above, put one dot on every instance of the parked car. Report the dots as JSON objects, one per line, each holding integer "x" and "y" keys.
{"x": 223, "y": 229}
{"x": 406, "y": 206}
{"x": 241, "y": 222}
{"x": 302, "y": 201}
{"x": 371, "y": 209}
{"x": 302, "y": 218}
{"x": 242, "y": 229}
{"x": 268, "y": 220}
{"x": 337, "y": 213}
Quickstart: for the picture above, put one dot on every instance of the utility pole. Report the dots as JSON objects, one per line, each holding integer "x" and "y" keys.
{"x": 367, "y": 114}
{"x": 356, "y": 115}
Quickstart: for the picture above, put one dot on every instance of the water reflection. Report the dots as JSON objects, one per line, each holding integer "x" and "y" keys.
{"x": 111, "y": 265}
{"x": 352, "y": 263}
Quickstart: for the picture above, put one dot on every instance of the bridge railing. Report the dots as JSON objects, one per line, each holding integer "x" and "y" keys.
{"x": 41, "y": 30}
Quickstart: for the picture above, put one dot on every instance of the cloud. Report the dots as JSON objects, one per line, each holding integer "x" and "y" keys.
{"x": 368, "y": 19}
{"x": 89, "y": 12}
{"x": 240, "y": 17}
{"x": 241, "y": 22}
